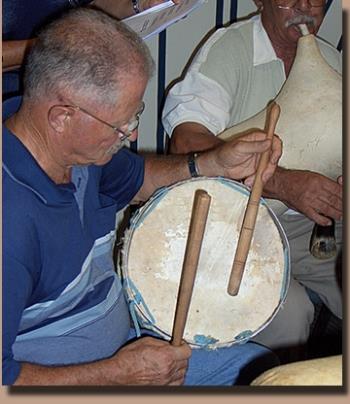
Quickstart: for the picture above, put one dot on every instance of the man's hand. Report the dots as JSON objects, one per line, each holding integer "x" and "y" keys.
{"x": 239, "y": 158}
{"x": 150, "y": 361}
{"x": 310, "y": 193}
{"x": 236, "y": 159}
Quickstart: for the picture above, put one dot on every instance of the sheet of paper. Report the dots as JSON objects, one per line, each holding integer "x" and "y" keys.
{"x": 157, "y": 18}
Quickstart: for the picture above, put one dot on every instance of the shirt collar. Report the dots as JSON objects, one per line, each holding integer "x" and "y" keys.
{"x": 263, "y": 49}
{"x": 21, "y": 166}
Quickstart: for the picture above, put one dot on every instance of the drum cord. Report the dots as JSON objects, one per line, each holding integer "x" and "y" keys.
{"x": 131, "y": 290}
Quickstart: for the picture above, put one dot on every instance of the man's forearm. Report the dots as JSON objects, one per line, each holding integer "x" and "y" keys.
{"x": 146, "y": 361}
{"x": 235, "y": 159}
{"x": 167, "y": 170}
{"x": 116, "y": 8}
{"x": 96, "y": 373}
{"x": 275, "y": 187}
{"x": 159, "y": 172}
{"x": 192, "y": 137}
{"x": 123, "y": 8}
{"x": 13, "y": 52}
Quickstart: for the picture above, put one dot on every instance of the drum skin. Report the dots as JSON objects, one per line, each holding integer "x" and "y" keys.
{"x": 153, "y": 254}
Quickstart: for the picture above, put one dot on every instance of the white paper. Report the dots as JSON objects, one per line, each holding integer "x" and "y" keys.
{"x": 156, "y": 19}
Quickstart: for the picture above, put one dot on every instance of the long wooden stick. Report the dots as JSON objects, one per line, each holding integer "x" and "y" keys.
{"x": 251, "y": 212}
{"x": 199, "y": 216}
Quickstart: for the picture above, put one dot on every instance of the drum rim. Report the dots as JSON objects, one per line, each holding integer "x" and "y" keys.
{"x": 133, "y": 295}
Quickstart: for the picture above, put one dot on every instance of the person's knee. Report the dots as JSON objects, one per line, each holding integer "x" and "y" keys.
{"x": 252, "y": 369}
{"x": 227, "y": 366}
{"x": 291, "y": 325}
{"x": 300, "y": 308}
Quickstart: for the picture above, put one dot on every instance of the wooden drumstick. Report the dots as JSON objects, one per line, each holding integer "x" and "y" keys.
{"x": 251, "y": 212}
{"x": 199, "y": 216}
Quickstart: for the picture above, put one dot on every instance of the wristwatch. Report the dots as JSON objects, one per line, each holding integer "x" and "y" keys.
{"x": 136, "y": 6}
{"x": 192, "y": 166}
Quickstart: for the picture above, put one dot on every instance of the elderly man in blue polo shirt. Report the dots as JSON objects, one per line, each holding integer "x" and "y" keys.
{"x": 65, "y": 176}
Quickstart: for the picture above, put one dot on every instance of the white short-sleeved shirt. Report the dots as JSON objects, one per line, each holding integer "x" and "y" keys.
{"x": 232, "y": 78}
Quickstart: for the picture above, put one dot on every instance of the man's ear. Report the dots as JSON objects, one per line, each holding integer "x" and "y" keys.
{"x": 59, "y": 117}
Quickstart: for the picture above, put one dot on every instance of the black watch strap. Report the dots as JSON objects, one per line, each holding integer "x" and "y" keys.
{"x": 192, "y": 166}
{"x": 136, "y": 6}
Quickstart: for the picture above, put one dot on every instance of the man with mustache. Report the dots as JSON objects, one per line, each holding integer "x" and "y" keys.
{"x": 235, "y": 74}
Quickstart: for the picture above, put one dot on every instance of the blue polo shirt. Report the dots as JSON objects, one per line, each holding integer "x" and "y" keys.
{"x": 62, "y": 299}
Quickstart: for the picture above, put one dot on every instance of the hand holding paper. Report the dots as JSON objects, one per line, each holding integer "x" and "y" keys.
{"x": 157, "y": 18}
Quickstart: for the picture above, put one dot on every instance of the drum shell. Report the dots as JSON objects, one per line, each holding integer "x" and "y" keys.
{"x": 138, "y": 262}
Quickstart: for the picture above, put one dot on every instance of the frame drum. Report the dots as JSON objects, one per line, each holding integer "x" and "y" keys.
{"x": 153, "y": 253}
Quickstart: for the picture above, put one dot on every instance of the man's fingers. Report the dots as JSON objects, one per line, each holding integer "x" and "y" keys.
{"x": 182, "y": 364}
{"x": 326, "y": 209}
{"x": 319, "y": 218}
{"x": 254, "y": 146}
{"x": 331, "y": 201}
{"x": 178, "y": 378}
{"x": 249, "y": 181}
{"x": 267, "y": 173}
{"x": 277, "y": 148}
{"x": 182, "y": 353}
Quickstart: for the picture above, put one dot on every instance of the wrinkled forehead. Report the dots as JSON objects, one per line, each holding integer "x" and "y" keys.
{"x": 260, "y": 3}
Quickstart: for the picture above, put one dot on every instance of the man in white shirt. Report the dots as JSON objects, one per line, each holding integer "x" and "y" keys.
{"x": 235, "y": 74}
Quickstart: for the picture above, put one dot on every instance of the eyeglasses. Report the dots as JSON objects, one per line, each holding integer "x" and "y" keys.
{"x": 292, "y": 3}
{"x": 132, "y": 125}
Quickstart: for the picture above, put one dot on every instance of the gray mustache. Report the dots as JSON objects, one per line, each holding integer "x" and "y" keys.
{"x": 301, "y": 19}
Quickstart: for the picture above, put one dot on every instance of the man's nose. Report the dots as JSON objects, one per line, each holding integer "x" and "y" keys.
{"x": 303, "y": 5}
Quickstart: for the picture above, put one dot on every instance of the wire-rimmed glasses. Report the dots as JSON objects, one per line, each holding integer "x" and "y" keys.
{"x": 132, "y": 125}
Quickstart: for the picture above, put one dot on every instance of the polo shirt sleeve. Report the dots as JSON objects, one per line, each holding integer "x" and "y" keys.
{"x": 200, "y": 97}
{"x": 17, "y": 287}
{"x": 122, "y": 177}
{"x": 20, "y": 271}
{"x": 197, "y": 99}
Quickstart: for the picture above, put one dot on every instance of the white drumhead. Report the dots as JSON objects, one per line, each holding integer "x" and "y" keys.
{"x": 153, "y": 257}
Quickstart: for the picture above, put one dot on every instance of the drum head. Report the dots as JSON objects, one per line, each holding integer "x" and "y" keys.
{"x": 153, "y": 256}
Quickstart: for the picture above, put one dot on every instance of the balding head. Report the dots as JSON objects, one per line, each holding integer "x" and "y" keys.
{"x": 85, "y": 52}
